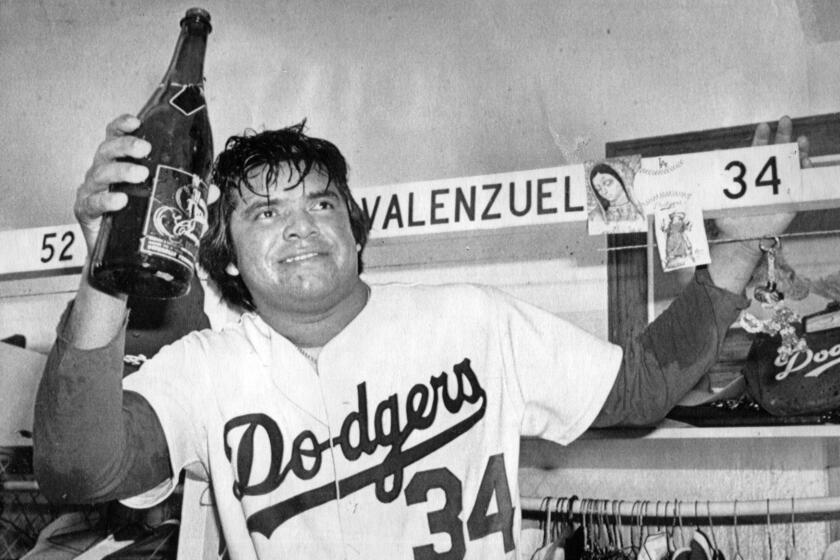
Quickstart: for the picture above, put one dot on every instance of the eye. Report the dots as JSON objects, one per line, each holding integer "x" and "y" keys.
{"x": 324, "y": 204}
{"x": 266, "y": 213}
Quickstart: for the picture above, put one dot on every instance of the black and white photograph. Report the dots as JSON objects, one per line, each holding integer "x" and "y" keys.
{"x": 420, "y": 279}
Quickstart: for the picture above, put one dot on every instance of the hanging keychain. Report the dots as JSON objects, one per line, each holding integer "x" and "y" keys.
{"x": 782, "y": 318}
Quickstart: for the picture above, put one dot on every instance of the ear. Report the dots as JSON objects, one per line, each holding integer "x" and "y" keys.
{"x": 232, "y": 270}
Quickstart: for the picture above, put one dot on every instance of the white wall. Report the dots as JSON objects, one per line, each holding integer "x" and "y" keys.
{"x": 410, "y": 90}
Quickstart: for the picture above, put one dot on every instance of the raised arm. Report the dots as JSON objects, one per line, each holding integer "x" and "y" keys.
{"x": 91, "y": 441}
{"x": 97, "y": 317}
{"x": 679, "y": 347}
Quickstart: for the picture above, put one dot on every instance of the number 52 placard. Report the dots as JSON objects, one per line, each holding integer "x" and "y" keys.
{"x": 44, "y": 249}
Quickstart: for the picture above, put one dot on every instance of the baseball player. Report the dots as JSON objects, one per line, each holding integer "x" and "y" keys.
{"x": 338, "y": 419}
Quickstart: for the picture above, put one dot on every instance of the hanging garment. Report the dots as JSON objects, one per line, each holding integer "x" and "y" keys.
{"x": 700, "y": 548}
{"x": 155, "y": 543}
{"x": 552, "y": 551}
{"x": 832, "y": 552}
{"x": 65, "y": 538}
{"x": 655, "y": 547}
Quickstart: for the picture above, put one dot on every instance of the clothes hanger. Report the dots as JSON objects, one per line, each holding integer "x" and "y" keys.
{"x": 790, "y": 546}
{"x": 570, "y": 509}
{"x": 671, "y": 527}
{"x": 634, "y": 523}
{"x": 547, "y": 528}
{"x": 609, "y": 526}
{"x": 638, "y": 506}
{"x": 656, "y": 543}
{"x": 555, "y": 530}
{"x": 735, "y": 530}
{"x": 584, "y": 510}
{"x": 618, "y": 528}
{"x": 700, "y": 543}
{"x": 561, "y": 526}
{"x": 607, "y": 541}
{"x": 574, "y": 543}
{"x": 769, "y": 534}
{"x": 716, "y": 553}
{"x": 677, "y": 528}
{"x": 612, "y": 549}
{"x": 545, "y": 551}
{"x": 597, "y": 529}
{"x": 600, "y": 539}
{"x": 618, "y": 537}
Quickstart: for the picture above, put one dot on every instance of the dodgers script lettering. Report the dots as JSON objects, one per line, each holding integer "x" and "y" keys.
{"x": 800, "y": 361}
{"x": 393, "y": 422}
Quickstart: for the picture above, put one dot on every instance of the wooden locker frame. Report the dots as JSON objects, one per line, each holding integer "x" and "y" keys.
{"x": 627, "y": 257}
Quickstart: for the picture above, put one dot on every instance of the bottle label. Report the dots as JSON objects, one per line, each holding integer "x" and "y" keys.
{"x": 189, "y": 100}
{"x": 177, "y": 216}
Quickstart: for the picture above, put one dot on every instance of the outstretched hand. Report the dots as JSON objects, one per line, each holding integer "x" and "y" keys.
{"x": 733, "y": 263}
{"x": 767, "y": 225}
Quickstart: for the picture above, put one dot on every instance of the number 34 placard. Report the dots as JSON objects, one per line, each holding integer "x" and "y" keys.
{"x": 44, "y": 249}
{"x": 725, "y": 179}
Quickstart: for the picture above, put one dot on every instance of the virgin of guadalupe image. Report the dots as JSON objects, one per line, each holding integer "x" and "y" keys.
{"x": 615, "y": 201}
{"x": 678, "y": 248}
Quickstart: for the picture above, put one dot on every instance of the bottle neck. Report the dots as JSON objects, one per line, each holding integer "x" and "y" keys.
{"x": 187, "y": 66}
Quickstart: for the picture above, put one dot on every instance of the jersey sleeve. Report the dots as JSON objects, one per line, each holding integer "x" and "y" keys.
{"x": 174, "y": 383}
{"x": 560, "y": 374}
{"x": 672, "y": 353}
{"x": 93, "y": 442}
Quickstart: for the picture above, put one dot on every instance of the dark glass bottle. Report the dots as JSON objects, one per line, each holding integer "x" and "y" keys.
{"x": 149, "y": 247}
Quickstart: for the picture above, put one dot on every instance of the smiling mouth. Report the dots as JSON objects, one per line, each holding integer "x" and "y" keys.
{"x": 299, "y": 258}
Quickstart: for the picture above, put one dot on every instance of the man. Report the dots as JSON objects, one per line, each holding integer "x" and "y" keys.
{"x": 337, "y": 419}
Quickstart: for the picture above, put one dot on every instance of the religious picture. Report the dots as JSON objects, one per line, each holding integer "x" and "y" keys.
{"x": 681, "y": 236}
{"x": 612, "y": 203}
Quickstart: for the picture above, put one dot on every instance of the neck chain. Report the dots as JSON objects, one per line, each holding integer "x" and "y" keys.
{"x": 307, "y": 355}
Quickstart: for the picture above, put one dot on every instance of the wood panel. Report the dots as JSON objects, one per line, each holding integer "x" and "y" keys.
{"x": 627, "y": 268}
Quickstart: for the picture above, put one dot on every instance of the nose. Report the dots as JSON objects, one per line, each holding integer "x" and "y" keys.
{"x": 299, "y": 225}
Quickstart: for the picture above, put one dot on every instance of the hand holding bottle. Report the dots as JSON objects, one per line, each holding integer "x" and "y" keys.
{"x": 93, "y": 197}
{"x": 148, "y": 247}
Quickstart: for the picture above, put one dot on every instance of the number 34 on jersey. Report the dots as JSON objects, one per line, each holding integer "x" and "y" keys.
{"x": 492, "y": 512}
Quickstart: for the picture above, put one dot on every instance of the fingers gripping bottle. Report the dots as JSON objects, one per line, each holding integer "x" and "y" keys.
{"x": 149, "y": 247}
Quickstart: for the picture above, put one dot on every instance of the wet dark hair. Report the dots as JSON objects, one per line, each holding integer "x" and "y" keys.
{"x": 604, "y": 169}
{"x": 234, "y": 169}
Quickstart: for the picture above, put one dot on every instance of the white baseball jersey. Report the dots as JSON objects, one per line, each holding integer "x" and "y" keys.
{"x": 402, "y": 442}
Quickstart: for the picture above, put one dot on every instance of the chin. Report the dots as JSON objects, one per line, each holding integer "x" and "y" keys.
{"x": 320, "y": 293}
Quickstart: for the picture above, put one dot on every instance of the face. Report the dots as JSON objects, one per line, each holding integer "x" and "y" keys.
{"x": 295, "y": 249}
{"x": 609, "y": 187}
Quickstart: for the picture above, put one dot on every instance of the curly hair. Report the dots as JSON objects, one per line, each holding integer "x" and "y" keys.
{"x": 233, "y": 170}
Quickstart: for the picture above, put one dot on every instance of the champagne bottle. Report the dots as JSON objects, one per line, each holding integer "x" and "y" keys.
{"x": 149, "y": 247}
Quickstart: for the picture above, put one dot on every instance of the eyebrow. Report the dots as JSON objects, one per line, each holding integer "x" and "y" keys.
{"x": 263, "y": 201}
{"x": 329, "y": 193}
